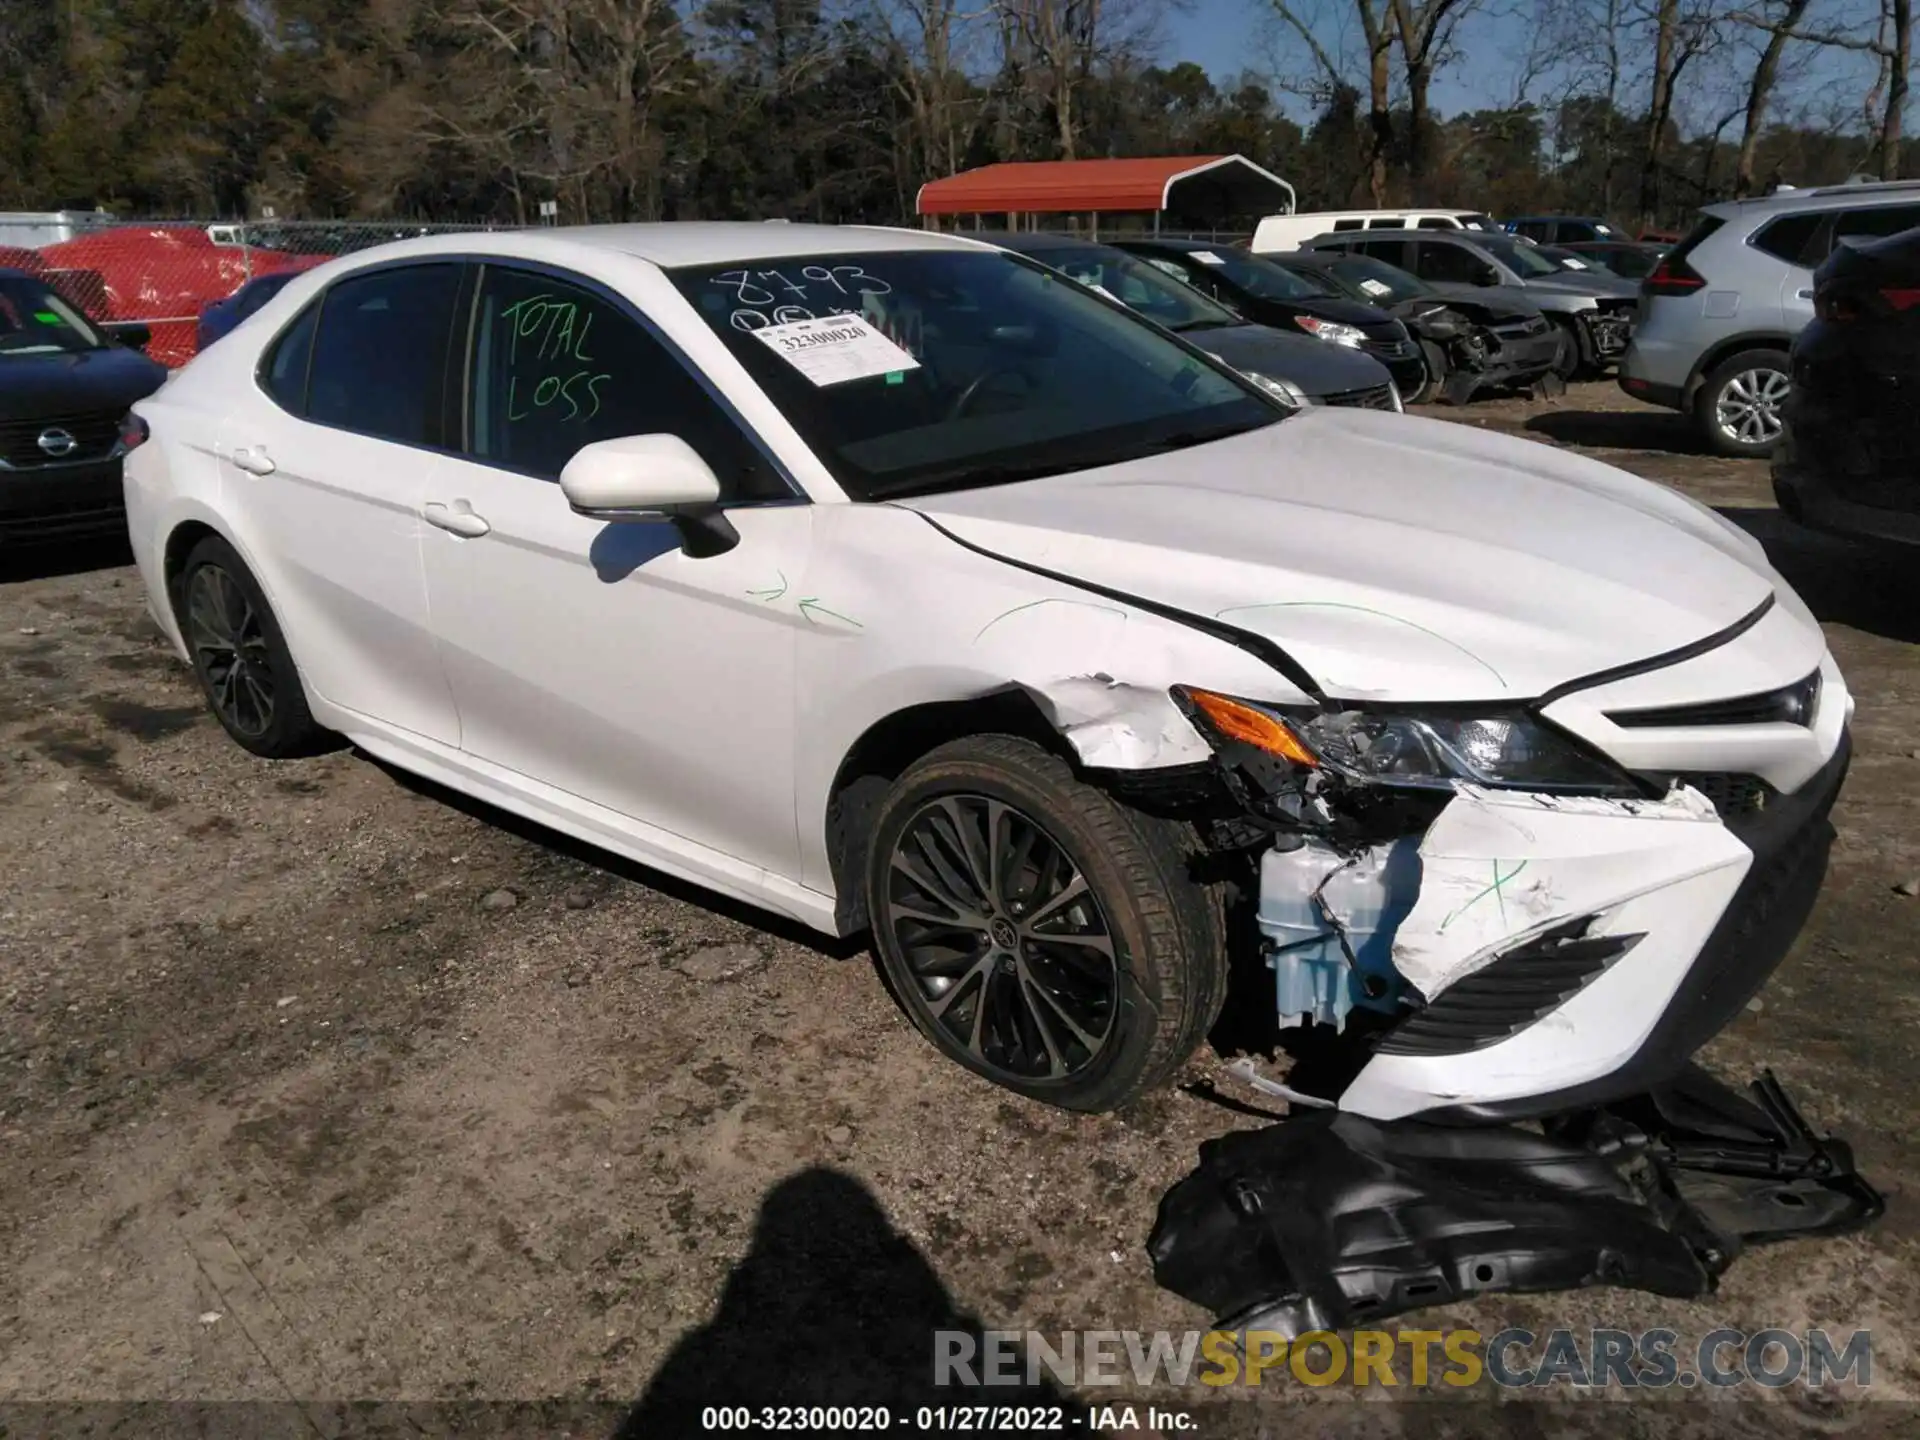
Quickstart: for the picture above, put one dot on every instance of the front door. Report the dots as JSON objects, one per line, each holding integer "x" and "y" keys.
{"x": 596, "y": 658}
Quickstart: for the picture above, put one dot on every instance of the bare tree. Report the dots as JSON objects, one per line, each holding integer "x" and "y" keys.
{"x": 1425, "y": 31}
{"x": 1057, "y": 46}
{"x": 1307, "y": 21}
{"x": 1892, "y": 45}
{"x": 1779, "y": 31}
{"x": 1682, "y": 31}
{"x": 927, "y": 44}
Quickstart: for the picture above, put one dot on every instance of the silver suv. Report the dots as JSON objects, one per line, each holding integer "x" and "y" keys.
{"x": 1719, "y": 312}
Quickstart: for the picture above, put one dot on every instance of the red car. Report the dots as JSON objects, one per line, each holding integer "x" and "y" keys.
{"x": 164, "y": 275}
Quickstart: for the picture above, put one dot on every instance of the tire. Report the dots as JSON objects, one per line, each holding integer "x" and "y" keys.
{"x": 1163, "y": 972}
{"x": 1567, "y": 360}
{"x": 240, "y": 655}
{"x": 1436, "y": 362}
{"x": 1743, "y": 393}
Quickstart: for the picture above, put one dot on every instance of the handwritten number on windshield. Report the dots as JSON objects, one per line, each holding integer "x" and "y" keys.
{"x": 826, "y": 288}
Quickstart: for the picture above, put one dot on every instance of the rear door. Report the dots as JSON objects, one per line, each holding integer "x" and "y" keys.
{"x": 326, "y": 464}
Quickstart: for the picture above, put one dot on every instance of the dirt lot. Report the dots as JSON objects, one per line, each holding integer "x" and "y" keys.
{"x": 290, "y": 1110}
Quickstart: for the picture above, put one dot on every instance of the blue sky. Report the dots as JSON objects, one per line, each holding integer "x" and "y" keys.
{"x": 1228, "y": 36}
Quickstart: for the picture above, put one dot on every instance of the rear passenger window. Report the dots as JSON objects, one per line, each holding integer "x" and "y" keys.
{"x": 1792, "y": 238}
{"x": 1434, "y": 222}
{"x": 1387, "y": 222}
{"x": 1447, "y": 264}
{"x": 556, "y": 366}
{"x": 1876, "y": 223}
{"x": 1349, "y": 224}
{"x": 379, "y": 361}
{"x": 1391, "y": 251}
{"x": 284, "y": 376}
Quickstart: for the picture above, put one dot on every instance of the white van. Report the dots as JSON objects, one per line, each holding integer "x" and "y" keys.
{"x": 1290, "y": 232}
{"x": 34, "y": 229}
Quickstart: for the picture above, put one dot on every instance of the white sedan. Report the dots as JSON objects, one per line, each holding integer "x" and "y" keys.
{"x": 887, "y": 580}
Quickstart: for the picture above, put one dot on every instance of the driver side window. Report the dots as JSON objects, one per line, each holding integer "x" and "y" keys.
{"x": 553, "y": 367}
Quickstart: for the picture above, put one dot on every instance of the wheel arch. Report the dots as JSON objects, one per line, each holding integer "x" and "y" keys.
{"x": 882, "y": 754}
{"x": 1723, "y": 350}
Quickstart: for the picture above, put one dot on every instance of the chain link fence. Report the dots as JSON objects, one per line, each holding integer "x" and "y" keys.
{"x": 166, "y": 273}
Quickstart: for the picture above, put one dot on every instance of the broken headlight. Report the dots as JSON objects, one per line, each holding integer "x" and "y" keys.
{"x": 1512, "y": 750}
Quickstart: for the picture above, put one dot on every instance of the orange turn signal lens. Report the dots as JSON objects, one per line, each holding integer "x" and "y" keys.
{"x": 1252, "y": 727}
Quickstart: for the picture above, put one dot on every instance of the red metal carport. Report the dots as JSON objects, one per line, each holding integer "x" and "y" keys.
{"x": 1196, "y": 187}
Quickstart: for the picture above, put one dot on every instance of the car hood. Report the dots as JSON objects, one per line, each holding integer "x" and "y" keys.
{"x": 1396, "y": 558}
{"x": 1597, "y": 283}
{"x": 1507, "y": 299}
{"x": 45, "y": 387}
{"x": 1316, "y": 366}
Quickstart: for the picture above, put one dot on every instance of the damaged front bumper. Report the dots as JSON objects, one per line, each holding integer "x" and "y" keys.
{"x": 1529, "y": 953}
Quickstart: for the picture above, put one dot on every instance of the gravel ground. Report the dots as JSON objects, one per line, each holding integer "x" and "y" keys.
{"x": 318, "y": 1083}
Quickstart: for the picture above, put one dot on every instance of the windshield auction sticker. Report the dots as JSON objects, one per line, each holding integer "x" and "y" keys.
{"x": 835, "y": 349}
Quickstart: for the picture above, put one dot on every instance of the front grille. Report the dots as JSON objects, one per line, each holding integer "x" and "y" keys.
{"x": 1380, "y": 397}
{"x": 94, "y": 437}
{"x": 1791, "y": 705}
{"x": 1390, "y": 349}
{"x": 1510, "y": 993}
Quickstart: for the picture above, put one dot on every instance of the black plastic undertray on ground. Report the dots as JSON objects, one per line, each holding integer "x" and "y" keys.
{"x": 1330, "y": 1221}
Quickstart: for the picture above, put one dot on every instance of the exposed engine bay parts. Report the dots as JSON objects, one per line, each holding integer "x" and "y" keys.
{"x": 1329, "y": 1221}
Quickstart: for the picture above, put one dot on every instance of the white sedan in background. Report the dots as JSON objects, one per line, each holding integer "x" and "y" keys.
{"x": 885, "y": 579}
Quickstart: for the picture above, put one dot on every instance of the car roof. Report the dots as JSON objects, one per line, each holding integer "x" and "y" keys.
{"x": 1458, "y": 237}
{"x": 1163, "y": 242}
{"x": 672, "y": 243}
{"x": 1821, "y": 197}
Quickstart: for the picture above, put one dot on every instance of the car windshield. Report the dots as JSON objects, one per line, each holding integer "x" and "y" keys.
{"x": 1323, "y": 285}
{"x": 1139, "y": 285}
{"x": 1526, "y": 261}
{"x": 1629, "y": 261}
{"x": 1261, "y": 278}
{"x": 909, "y": 371}
{"x": 35, "y": 321}
{"x": 1378, "y": 281}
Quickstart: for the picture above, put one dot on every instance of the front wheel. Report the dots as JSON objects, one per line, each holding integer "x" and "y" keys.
{"x": 1038, "y": 932}
{"x": 1738, "y": 407}
{"x": 1436, "y": 363}
{"x": 1567, "y": 360}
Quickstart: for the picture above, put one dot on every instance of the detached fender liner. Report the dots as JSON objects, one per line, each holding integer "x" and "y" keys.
{"x": 1330, "y": 1221}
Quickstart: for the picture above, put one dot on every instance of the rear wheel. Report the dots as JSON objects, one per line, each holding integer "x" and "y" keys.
{"x": 1038, "y": 932}
{"x": 1738, "y": 406}
{"x": 240, "y": 656}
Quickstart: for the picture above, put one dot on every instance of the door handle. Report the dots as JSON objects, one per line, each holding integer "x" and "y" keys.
{"x": 254, "y": 462}
{"x": 457, "y": 519}
{"x": 1804, "y": 294}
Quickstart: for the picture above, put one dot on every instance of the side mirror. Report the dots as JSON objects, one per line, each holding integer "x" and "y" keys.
{"x": 134, "y": 334}
{"x": 1486, "y": 275}
{"x": 650, "y": 477}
